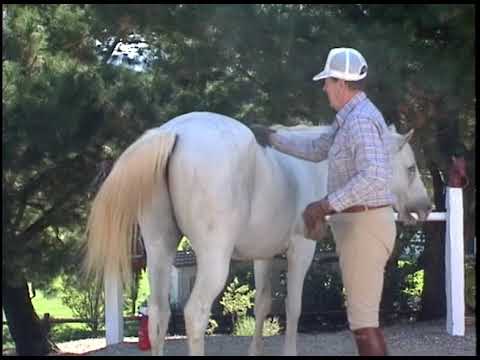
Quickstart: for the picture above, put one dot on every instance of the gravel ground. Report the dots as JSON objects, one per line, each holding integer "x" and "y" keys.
{"x": 417, "y": 339}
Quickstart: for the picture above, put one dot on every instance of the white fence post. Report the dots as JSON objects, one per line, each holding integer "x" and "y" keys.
{"x": 454, "y": 262}
{"x": 113, "y": 310}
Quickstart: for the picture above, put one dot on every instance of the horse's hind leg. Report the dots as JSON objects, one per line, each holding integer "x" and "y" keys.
{"x": 263, "y": 302}
{"x": 212, "y": 271}
{"x": 160, "y": 235}
{"x": 160, "y": 259}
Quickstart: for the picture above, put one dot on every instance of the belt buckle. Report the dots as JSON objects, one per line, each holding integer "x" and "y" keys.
{"x": 365, "y": 208}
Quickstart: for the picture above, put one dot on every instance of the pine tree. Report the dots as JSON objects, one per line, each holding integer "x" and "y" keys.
{"x": 64, "y": 111}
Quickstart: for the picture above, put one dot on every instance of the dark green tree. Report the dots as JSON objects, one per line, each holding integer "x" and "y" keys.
{"x": 47, "y": 119}
{"x": 255, "y": 63}
{"x": 64, "y": 111}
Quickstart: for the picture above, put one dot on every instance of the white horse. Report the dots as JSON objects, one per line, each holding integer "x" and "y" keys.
{"x": 204, "y": 176}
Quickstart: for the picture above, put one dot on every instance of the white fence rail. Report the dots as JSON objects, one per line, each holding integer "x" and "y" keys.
{"x": 454, "y": 265}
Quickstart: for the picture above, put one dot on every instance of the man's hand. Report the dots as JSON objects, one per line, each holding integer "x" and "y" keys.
{"x": 314, "y": 218}
{"x": 262, "y": 134}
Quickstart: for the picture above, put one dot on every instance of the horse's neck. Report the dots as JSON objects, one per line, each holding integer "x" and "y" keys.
{"x": 302, "y": 174}
{"x": 310, "y": 178}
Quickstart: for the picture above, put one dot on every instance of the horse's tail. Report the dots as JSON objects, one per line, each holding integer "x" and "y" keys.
{"x": 113, "y": 219}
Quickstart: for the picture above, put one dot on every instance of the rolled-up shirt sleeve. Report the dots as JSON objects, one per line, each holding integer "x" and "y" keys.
{"x": 371, "y": 163}
{"x": 302, "y": 146}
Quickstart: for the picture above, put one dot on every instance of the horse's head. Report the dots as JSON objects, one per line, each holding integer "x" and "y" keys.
{"x": 407, "y": 185}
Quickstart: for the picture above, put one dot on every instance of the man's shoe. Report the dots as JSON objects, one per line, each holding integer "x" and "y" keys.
{"x": 370, "y": 342}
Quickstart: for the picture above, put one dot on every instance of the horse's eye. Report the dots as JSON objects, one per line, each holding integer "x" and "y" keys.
{"x": 411, "y": 170}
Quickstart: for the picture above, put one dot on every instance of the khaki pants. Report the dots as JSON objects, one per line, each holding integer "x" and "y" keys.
{"x": 364, "y": 242}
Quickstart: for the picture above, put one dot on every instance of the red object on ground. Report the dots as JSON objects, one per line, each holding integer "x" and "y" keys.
{"x": 143, "y": 340}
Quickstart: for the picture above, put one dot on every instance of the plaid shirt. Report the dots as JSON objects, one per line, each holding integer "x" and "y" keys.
{"x": 359, "y": 162}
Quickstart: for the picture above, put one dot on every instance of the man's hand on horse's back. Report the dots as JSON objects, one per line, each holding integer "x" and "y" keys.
{"x": 262, "y": 134}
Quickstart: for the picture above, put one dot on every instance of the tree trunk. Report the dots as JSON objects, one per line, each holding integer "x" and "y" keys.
{"x": 26, "y": 330}
{"x": 433, "y": 258}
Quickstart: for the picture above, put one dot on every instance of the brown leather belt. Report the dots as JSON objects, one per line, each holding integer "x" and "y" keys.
{"x": 360, "y": 208}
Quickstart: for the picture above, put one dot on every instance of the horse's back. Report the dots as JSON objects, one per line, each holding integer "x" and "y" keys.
{"x": 205, "y": 127}
{"x": 210, "y": 142}
{"x": 211, "y": 172}
{"x": 223, "y": 184}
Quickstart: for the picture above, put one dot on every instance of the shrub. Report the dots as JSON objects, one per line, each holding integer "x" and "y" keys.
{"x": 212, "y": 325}
{"x": 237, "y": 299}
{"x": 184, "y": 244}
{"x": 132, "y": 293}
{"x": 245, "y": 326}
{"x": 271, "y": 327}
{"x": 408, "y": 280}
{"x": 86, "y": 300}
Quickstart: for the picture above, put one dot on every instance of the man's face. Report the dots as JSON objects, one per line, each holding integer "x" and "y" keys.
{"x": 335, "y": 92}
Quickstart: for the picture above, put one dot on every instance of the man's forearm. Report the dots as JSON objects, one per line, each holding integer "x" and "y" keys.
{"x": 311, "y": 149}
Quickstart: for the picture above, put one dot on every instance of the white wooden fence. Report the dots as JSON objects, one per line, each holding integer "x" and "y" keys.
{"x": 454, "y": 261}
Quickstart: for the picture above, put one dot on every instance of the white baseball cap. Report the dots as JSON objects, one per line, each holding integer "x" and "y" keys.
{"x": 344, "y": 63}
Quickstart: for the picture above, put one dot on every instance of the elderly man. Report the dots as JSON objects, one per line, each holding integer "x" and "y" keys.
{"x": 359, "y": 199}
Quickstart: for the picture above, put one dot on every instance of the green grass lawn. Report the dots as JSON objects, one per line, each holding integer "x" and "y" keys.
{"x": 53, "y": 305}
{"x": 46, "y": 304}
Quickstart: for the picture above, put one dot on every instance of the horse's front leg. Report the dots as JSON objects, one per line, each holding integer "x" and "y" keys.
{"x": 299, "y": 257}
{"x": 263, "y": 302}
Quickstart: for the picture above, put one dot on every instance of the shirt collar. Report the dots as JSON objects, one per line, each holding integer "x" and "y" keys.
{"x": 349, "y": 106}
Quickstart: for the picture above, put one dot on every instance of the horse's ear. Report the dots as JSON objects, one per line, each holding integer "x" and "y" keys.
{"x": 392, "y": 128}
{"x": 406, "y": 138}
